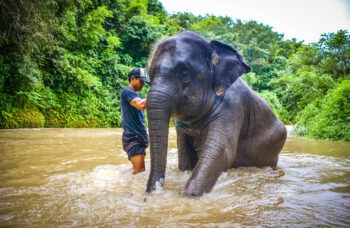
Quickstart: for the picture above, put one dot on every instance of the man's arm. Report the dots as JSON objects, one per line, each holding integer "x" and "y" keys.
{"x": 138, "y": 103}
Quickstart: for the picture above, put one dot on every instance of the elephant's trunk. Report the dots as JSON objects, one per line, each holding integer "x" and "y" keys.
{"x": 158, "y": 112}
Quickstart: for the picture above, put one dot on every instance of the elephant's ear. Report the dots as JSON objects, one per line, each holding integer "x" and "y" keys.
{"x": 227, "y": 65}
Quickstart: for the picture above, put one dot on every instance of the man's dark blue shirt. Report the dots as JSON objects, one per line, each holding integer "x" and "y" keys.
{"x": 133, "y": 120}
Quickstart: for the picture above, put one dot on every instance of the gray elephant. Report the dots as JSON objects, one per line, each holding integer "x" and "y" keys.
{"x": 220, "y": 122}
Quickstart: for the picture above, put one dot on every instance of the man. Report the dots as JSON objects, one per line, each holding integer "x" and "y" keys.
{"x": 135, "y": 138}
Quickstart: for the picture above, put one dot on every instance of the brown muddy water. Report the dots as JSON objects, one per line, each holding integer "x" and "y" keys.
{"x": 82, "y": 178}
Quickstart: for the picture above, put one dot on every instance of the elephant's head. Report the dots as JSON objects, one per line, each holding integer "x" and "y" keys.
{"x": 186, "y": 73}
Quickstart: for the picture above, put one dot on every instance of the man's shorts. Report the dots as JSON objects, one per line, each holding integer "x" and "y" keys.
{"x": 134, "y": 144}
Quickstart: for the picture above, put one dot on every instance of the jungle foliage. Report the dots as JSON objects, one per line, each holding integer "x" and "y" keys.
{"x": 64, "y": 62}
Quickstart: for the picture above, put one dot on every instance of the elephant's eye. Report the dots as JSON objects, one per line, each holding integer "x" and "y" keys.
{"x": 185, "y": 76}
{"x": 184, "y": 73}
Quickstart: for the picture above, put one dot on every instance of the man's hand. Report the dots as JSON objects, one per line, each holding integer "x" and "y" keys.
{"x": 138, "y": 103}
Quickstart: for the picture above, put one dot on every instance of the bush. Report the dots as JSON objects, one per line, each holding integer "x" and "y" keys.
{"x": 300, "y": 89}
{"x": 22, "y": 118}
{"x": 19, "y": 111}
{"x": 328, "y": 118}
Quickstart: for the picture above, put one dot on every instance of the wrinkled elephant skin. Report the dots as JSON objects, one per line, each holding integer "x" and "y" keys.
{"x": 221, "y": 122}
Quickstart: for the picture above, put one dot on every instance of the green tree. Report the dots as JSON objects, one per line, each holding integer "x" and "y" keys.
{"x": 335, "y": 54}
{"x": 137, "y": 39}
{"x": 327, "y": 118}
{"x": 27, "y": 28}
{"x": 184, "y": 20}
{"x": 299, "y": 89}
{"x": 64, "y": 62}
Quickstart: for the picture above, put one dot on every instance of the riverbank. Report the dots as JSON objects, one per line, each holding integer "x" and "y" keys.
{"x": 290, "y": 130}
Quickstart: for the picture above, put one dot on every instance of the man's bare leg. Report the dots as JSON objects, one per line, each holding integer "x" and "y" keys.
{"x": 138, "y": 163}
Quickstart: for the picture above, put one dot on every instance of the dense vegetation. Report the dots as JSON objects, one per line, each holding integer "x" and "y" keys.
{"x": 64, "y": 62}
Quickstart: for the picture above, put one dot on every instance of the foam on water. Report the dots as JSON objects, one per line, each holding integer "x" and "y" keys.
{"x": 111, "y": 195}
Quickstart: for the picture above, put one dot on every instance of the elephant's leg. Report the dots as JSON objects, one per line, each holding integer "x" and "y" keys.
{"x": 186, "y": 151}
{"x": 205, "y": 174}
{"x": 218, "y": 153}
{"x": 214, "y": 159}
{"x": 270, "y": 149}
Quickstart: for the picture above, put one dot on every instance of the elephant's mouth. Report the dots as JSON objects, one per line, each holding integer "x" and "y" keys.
{"x": 200, "y": 122}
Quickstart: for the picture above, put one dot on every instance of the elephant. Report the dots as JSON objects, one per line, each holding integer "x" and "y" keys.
{"x": 221, "y": 123}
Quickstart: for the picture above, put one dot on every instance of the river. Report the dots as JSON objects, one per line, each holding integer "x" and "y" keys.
{"x": 82, "y": 178}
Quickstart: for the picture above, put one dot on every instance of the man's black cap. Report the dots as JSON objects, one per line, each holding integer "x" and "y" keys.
{"x": 139, "y": 73}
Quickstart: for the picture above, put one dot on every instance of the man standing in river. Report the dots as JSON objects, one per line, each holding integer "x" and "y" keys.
{"x": 135, "y": 138}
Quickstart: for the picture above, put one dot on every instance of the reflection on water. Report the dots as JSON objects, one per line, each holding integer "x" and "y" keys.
{"x": 81, "y": 177}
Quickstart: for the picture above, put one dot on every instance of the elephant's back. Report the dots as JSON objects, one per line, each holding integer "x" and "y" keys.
{"x": 260, "y": 127}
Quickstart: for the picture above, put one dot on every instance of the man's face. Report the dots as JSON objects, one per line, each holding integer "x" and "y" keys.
{"x": 138, "y": 84}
